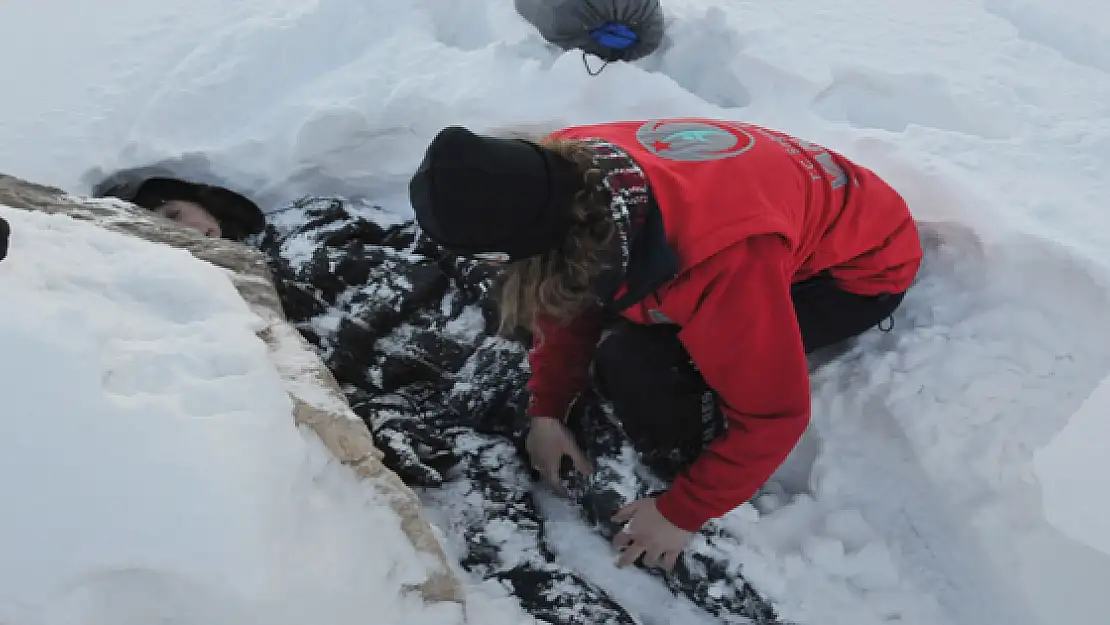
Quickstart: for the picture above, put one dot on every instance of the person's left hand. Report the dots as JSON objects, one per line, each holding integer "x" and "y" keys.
{"x": 649, "y": 533}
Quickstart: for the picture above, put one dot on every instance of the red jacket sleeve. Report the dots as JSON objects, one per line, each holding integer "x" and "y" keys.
{"x": 560, "y": 362}
{"x": 743, "y": 336}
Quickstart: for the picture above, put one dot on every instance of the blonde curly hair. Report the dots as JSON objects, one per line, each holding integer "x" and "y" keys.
{"x": 558, "y": 284}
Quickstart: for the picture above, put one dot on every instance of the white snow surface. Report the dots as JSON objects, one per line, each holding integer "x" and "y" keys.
{"x": 153, "y": 465}
{"x": 1069, "y": 500}
{"x": 151, "y": 468}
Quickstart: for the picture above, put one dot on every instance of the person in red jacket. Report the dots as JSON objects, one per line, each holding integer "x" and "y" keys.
{"x": 691, "y": 264}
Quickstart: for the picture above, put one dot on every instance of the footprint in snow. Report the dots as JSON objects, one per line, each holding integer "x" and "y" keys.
{"x": 470, "y": 26}
{"x": 203, "y": 379}
{"x": 702, "y": 56}
{"x": 134, "y": 595}
{"x": 870, "y": 99}
{"x": 1067, "y": 32}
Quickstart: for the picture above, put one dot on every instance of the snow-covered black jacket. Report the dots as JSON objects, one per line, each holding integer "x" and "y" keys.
{"x": 406, "y": 331}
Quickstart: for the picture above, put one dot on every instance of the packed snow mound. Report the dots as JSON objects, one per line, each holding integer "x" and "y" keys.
{"x": 318, "y": 403}
{"x": 1068, "y": 472}
{"x": 1073, "y": 478}
{"x": 151, "y": 457}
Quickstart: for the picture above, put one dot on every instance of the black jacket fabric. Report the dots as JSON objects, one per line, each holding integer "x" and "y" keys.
{"x": 409, "y": 336}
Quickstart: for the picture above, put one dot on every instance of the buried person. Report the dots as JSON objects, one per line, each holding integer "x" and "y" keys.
{"x": 212, "y": 210}
{"x": 716, "y": 254}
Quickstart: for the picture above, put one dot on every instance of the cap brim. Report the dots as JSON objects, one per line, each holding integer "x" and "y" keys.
{"x": 225, "y": 205}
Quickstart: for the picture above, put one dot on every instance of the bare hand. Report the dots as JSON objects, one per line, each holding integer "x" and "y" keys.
{"x": 650, "y": 534}
{"x": 548, "y": 441}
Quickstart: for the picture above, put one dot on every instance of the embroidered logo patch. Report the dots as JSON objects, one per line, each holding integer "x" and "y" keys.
{"x": 698, "y": 140}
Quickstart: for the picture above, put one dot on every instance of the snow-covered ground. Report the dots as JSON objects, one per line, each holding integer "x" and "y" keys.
{"x": 151, "y": 470}
{"x": 936, "y": 448}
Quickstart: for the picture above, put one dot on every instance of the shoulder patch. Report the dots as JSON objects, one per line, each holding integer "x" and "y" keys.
{"x": 694, "y": 140}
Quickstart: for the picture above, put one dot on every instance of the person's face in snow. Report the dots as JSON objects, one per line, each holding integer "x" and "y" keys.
{"x": 192, "y": 215}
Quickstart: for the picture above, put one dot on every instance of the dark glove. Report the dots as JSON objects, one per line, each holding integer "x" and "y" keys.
{"x": 5, "y": 233}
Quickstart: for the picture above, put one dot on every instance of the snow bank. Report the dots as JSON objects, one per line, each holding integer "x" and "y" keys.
{"x": 1067, "y": 470}
{"x": 317, "y": 401}
{"x": 151, "y": 464}
{"x": 1071, "y": 470}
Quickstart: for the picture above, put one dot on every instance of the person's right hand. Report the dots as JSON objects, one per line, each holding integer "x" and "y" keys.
{"x": 548, "y": 441}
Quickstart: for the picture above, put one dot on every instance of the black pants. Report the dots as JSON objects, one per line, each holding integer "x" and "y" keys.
{"x": 662, "y": 401}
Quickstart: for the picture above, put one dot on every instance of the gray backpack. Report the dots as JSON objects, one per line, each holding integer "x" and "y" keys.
{"x": 613, "y": 30}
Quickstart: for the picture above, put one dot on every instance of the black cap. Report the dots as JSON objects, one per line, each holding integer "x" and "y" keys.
{"x": 474, "y": 194}
{"x": 238, "y": 216}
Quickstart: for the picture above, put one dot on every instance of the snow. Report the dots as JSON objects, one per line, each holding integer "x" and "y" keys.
{"x": 1071, "y": 503}
{"x": 950, "y": 477}
{"x": 151, "y": 464}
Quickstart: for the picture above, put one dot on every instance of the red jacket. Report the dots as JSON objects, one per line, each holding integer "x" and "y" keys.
{"x": 748, "y": 211}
